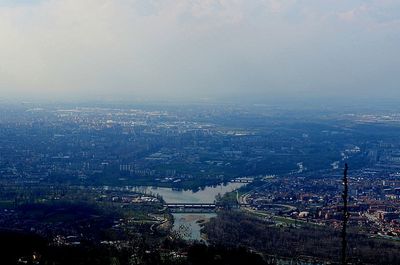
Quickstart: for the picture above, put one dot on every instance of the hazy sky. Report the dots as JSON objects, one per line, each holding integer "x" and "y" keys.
{"x": 198, "y": 49}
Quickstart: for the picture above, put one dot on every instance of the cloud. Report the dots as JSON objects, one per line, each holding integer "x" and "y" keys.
{"x": 374, "y": 14}
{"x": 200, "y": 48}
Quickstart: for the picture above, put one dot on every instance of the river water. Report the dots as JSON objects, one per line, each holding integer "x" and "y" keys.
{"x": 188, "y": 225}
{"x": 207, "y": 195}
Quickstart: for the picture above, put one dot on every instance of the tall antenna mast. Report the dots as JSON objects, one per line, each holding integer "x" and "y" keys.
{"x": 346, "y": 214}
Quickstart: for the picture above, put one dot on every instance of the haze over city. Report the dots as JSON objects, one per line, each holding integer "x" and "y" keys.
{"x": 198, "y": 50}
{"x": 192, "y": 132}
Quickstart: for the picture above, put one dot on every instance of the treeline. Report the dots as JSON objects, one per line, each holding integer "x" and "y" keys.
{"x": 317, "y": 243}
{"x": 23, "y": 248}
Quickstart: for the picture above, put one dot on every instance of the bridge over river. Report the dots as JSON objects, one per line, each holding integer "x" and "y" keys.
{"x": 199, "y": 207}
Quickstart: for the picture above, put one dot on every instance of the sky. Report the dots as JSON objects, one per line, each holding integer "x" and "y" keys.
{"x": 255, "y": 50}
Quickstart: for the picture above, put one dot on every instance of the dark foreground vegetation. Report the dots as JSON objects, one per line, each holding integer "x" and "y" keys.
{"x": 234, "y": 237}
{"x": 24, "y": 248}
{"x": 309, "y": 242}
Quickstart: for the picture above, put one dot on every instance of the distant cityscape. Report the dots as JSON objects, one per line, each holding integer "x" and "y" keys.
{"x": 73, "y": 174}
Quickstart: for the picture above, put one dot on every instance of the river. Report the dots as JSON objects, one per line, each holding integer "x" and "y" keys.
{"x": 188, "y": 224}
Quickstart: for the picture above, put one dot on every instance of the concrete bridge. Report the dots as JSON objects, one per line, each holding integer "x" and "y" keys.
{"x": 197, "y": 207}
{"x": 239, "y": 180}
{"x": 191, "y": 205}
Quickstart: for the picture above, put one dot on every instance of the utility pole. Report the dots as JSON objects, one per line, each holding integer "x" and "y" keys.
{"x": 346, "y": 214}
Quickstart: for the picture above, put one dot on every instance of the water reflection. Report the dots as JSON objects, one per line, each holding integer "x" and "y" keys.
{"x": 188, "y": 225}
{"x": 206, "y": 195}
